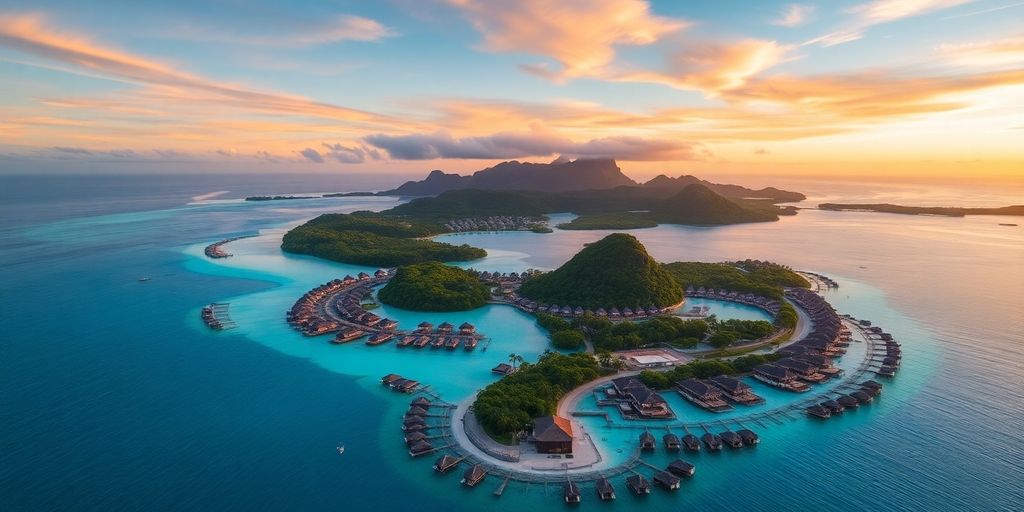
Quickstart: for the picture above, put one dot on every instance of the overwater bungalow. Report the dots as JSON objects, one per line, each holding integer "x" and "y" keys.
{"x": 601, "y": 312}
{"x": 412, "y": 420}
{"x": 605, "y": 489}
{"x": 363, "y": 276}
{"x": 691, "y": 443}
{"x": 406, "y": 341}
{"x": 818, "y": 411}
{"x": 639, "y": 485}
{"x": 405, "y": 385}
{"x": 804, "y": 370}
{"x": 680, "y": 467}
{"x": 713, "y": 442}
{"x": 731, "y": 439}
{"x": 420, "y": 448}
{"x": 380, "y": 273}
{"x": 445, "y": 327}
{"x": 666, "y": 480}
{"x": 886, "y": 371}
{"x": 833, "y": 406}
{"x": 571, "y": 492}
{"x": 748, "y": 436}
{"x": 848, "y": 402}
{"x": 390, "y": 378}
{"x": 862, "y": 397}
{"x": 424, "y": 327}
{"x": 735, "y": 390}
{"x": 416, "y": 410}
{"x": 453, "y": 343}
{"x": 445, "y": 464}
{"x": 671, "y": 442}
{"x": 470, "y": 342}
{"x": 380, "y": 338}
{"x": 420, "y": 402}
{"x": 779, "y": 377}
{"x": 647, "y": 442}
{"x": 871, "y": 384}
{"x": 647, "y": 402}
{"x": 873, "y": 392}
{"x": 473, "y": 475}
{"x": 503, "y": 369}
{"x": 703, "y": 395}
{"x": 467, "y": 328}
{"x": 421, "y": 342}
{"x": 438, "y": 342}
{"x": 414, "y": 437}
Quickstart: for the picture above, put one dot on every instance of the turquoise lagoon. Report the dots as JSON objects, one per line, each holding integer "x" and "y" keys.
{"x": 129, "y": 402}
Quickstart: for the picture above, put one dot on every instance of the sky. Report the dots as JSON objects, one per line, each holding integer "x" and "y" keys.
{"x": 930, "y": 89}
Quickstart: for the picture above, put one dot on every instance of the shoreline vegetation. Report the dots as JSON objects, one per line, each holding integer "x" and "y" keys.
{"x": 946, "y": 211}
{"x": 508, "y": 406}
{"x": 434, "y": 286}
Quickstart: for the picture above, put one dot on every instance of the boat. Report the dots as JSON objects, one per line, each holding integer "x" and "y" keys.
{"x": 340, "y": 448}
{"x": 144, "y": 279}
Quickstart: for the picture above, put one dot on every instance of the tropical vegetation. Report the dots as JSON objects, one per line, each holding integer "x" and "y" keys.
{"x": 613, "y": 272}
{"x": 434, "y": 286}
{"x": 510, "y": 404}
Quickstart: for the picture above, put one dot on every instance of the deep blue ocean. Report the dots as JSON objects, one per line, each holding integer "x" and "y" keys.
{"x": 114, "y": 397}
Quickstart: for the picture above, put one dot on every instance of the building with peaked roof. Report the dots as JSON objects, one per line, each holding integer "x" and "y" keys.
{"x": 552, "y": 434}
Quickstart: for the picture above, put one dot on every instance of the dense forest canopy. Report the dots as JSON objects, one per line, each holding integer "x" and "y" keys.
{"x": 434, "y": 286}
{"x": 510, "y": 404}
{"x": 760, "y": 278}
{"x": 613, "y": 272}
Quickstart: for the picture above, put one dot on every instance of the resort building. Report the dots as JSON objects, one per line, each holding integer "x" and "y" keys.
{"x": 552, "y": 434}
{"x": 735, "y": 390}
{"x": 703, "y": 394}
{"x": 779, "y": 377}
{"x": 645, "y": 401}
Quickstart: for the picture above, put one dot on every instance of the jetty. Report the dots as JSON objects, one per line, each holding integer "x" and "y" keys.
{"x": 216, "y": 316}
{"x": 216, "y": 249}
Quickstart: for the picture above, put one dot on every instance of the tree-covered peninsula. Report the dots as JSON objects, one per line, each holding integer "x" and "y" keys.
{"x": 509, "y": 405}
{"x": 613, "y": 272}
{"x": 434, "y": 286}
{"x": 374, "y": 239}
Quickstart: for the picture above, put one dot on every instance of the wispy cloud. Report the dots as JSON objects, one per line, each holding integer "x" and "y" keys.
{"x": 794, "y": 15}
{"x": 29, "y": 33}
{"x": 877, "y": 12}
{"x": 335, "y": 30}
{"x": 996, "y": 52}
{"x": 713, "y": 67}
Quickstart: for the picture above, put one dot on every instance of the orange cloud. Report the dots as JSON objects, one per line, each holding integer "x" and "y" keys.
{"x": 29, "y": 34}
{"x": 714, "y": 67}
{"x": 581, "y": 35}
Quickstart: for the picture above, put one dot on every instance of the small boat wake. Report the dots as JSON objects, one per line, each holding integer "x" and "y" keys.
{"x": 340, "y": 448}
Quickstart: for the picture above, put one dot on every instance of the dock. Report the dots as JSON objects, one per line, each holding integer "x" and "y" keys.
{"x": 216, "y": 316}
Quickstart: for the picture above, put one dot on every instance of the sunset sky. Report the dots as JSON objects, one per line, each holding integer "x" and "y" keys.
{"x": 927, "y": 88}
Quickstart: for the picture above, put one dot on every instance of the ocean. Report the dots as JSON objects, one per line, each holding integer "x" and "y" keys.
{"x": 114, "y": 396}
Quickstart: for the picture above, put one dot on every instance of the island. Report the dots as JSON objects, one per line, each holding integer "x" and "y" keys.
{"x": 278, "y": 198}
{"x": 946, "y": 211}
{"x": 366, "y": 238}
{"x": 434, "y": 286}
{"x": 615, "y": 272}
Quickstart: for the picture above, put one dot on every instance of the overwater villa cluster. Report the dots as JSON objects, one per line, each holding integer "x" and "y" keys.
{"x": 612, "y": 313}
{"x": 770, "y": 305}
{"x": 445, "y": 336}
{"x": 635, "y": 400}
{"x": 494, "y": 223}
{"x": 311, "y": 314}
{"x": 810, "y": 360}
{"x": 216, "y": 317}
{"x": 717, "y": 394}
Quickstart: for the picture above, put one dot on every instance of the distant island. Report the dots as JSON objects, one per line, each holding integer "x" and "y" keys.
{"x": 398, "y": 236}
{"x": 613, "y": 272}
{"x": 564, "y": 175}
{"x": 434, "y": 286}
{"x": 367, "y": 238}
{"x": 278, "y": 198}
{"x": 1016, "y": 210}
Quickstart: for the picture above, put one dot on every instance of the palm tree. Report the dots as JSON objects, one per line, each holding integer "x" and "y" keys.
{"x": 514, "y": 358}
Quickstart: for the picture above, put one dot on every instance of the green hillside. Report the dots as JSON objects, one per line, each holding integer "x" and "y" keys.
{"x": 613, "y": 272}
